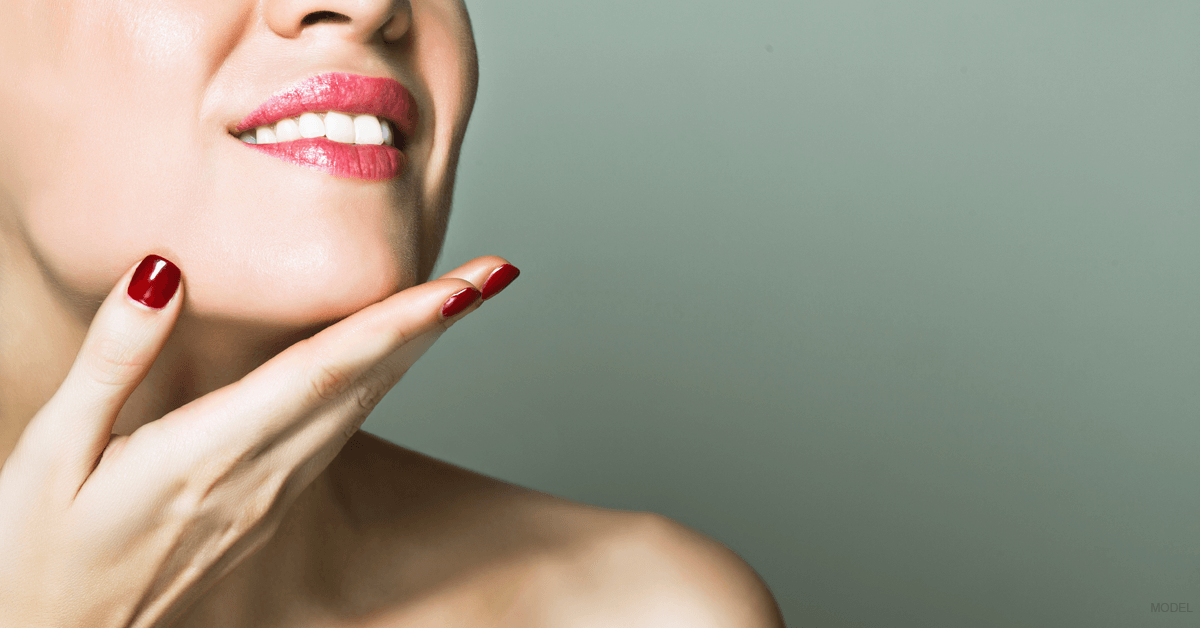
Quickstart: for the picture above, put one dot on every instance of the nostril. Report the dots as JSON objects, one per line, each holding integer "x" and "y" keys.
{"x": 323, "y": 16}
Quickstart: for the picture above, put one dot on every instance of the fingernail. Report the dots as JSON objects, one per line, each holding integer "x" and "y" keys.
{"x": 459, "y": 302}
{"x": 499, "y": 280}
{"x": 154, "y": 282}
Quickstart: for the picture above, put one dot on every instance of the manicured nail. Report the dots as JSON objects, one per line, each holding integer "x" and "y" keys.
{"x": 499, "y": 280}
{"x": 459, "y": 301}
{"x": 154, "y": 282}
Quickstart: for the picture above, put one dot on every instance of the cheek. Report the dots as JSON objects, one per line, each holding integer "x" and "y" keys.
{"x": 100, "y": 182}
{"x": 105, "y": 139}
{"x": 443, "y": 57}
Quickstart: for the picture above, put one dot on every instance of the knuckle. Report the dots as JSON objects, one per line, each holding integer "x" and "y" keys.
{"x": 401, "y": 337}
{"x": 374, "y": 387}
{"x": 112, "y": 358}
{"x": 329, "y": 380}
{"x": 369, "y": 396}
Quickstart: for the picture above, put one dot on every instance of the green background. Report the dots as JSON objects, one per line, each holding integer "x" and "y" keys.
{"x": 898, "y": 300}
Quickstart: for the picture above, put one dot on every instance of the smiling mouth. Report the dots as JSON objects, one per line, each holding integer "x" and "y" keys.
{"x": 343, "y": 124}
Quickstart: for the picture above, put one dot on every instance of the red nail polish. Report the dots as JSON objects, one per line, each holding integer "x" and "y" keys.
{"x": 459, "y": 302}
{"x": 499, "y": 280}
{"x": 154, "y": 282}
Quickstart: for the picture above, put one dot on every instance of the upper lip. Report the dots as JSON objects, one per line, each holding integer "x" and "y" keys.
{"x": 338, "y": 91}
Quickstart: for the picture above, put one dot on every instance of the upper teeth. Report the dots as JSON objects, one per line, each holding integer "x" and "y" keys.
{"x": 339, "y": 127}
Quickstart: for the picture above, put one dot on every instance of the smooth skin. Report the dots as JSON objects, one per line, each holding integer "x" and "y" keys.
{"x": 201, "y": 465}
{"x": 77, "y": 501}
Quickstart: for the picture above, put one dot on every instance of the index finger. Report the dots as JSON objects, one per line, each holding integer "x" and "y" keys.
{"x": 298, "y": 397}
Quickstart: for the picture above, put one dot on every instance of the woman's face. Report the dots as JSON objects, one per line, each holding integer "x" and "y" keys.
{"x": 116, "y": 143}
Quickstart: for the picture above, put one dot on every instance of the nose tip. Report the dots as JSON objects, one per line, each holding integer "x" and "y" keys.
{"x": 358, "y": 20}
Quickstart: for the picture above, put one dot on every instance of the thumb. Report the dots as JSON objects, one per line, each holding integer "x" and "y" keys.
{"x": 129, "y": 330}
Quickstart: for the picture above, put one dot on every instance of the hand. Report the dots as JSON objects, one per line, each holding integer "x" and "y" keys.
{"x": 103, "y": 530}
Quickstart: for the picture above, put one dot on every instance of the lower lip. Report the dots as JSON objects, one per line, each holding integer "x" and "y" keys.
{"x": 353, "y": 161}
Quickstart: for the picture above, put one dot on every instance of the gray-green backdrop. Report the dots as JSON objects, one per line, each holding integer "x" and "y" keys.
{"x": 898, "y": 300}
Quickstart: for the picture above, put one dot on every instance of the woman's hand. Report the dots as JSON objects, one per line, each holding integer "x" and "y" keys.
{"x": 102, "y": 530}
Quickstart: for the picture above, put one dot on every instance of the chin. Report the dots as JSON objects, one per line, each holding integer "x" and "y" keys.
{"x": 308, "y": 246}
{"x": 300, "y": 276}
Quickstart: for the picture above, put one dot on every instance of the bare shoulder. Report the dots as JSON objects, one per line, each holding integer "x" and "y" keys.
{"x": 482, "y": 552}
{"x": 645, "y": 570}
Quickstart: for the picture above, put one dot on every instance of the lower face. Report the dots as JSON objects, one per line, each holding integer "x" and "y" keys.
{"x": 116, "y": 144}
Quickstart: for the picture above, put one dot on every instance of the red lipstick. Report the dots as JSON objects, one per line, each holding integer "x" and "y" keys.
{"x": 348, "y": 93}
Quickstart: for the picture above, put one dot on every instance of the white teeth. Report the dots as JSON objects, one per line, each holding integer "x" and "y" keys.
{"x": 287, "y": 130}
{"x": 311, "y": 125}
{"x": 264, "y": 135}
{"x": 367, "y": 130}
{"x": 337, "y": 126}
